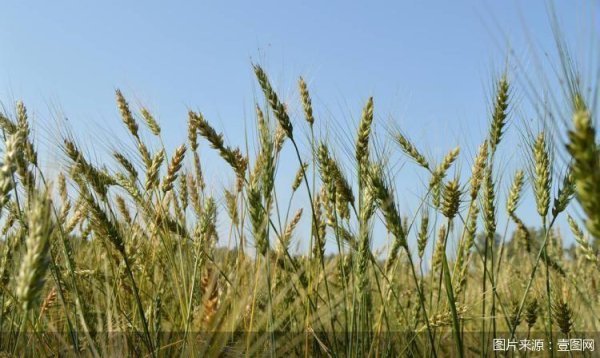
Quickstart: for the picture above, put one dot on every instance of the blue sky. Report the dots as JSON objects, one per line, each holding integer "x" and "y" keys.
{"x": 430, "y": 64}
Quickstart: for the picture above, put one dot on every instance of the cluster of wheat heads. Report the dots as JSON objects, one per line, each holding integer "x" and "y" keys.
{"x": 125, "y": 259}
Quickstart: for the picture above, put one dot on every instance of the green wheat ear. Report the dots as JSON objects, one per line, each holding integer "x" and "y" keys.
{"x": 500, "y": 113}
{"x": 278, "y": 108}
{"x": 423, "y": 234}
{"x": 411, "y": 150}
{"x": 532, "y": 311}
{"x": 126, "y": 115}
{"x": 514, "y": 195}
{"x": 440, "y": 171}
{"x": 586, "y": 166}
{"x": 150, "y": 121}
{"x": 451, "y": 199}
{"x": 364, "y": 130}
{"x": 306, "y": 101}
{"x": 543, "y": 174}
{"x": 562, "y": 314}
{"x": 32, "y": 275}
{"x": 8, "y": 168}
{"x": 174, "y": 168}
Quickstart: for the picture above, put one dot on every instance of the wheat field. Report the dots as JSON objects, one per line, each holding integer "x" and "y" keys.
{"x": 127, "y": 259}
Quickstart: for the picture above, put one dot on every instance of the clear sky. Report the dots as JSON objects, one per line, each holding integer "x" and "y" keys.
{"x": 429, "y": 64}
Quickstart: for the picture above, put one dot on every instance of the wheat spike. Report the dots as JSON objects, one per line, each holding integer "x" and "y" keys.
{"x": 411, "y": 150}
{"x": 565, "y": 194}
{"x": 8, "y": 168}
{"x": 150, "y": 121}
{"x": 126, "y": 164}
{"x": 384, "y": 197}
{"x": 154, "y": 170}
{"x": 48, "y": 302}
{"x": 471, "y": 228}
{"x": 364, "y": 130}
{"x": 542, "y": 173}
{"x": 32, "y": 273}
{"x": 478, "y": 169}
{"x": 489, "y": 206}
{"x": 278, "y": 108}
{"x": 306, "y": 102}
{"x": 500, "y": 113}
{"x": 7, "y": 125}
{"x": 126, "y": 115}
{"x": 122, "y": 206}
{"x": 586, "y": 167}
{"x": 287, "y": 234}
{"x": 440, "y": 171}
{"x": 562, "y": 315}
{"x": 332, "y": 177}
{"x": 586, "y": 248}
{"x": 233, "y": 157}
{"x": 258, "y": 216}
{"x": 451, "y": 199}
{"x": 423, "y": 234}
{"x": 299, "y": 176}
{"x": 514, "y": 195}
{"x": 531, "y": 312}
{"x": 211, "y": 297}
{"x": 174, "y": 168}
{"x": 440, "y": 246}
